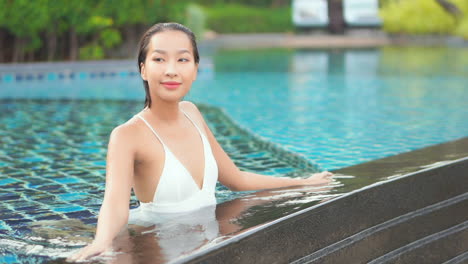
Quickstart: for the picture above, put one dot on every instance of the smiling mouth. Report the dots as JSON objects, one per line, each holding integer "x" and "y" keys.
{"x": 171, "y": 85}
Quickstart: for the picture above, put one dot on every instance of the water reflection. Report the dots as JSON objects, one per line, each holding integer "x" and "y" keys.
{"x": 175, "y": 237}
{"x": 162, "y": 238}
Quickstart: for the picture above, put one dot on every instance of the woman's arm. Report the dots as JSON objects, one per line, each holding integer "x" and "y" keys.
{"x": 237, "y": 180}
{"x": 248, "y": 181}
{"x": 114, "y": 212}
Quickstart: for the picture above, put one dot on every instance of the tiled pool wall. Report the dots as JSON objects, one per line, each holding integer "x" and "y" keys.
{"x": 20, "y": 73}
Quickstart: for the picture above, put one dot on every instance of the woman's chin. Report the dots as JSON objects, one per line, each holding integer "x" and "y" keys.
{"x": 174, "y": 98}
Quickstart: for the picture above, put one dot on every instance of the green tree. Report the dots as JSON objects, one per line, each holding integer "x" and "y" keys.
{"x": 426, "y": 17}
{"x": 127, "y": 15}
{"x": 25, "y": 23}
{"x": 56, "y": 26}
{"x": 3, "y": 32}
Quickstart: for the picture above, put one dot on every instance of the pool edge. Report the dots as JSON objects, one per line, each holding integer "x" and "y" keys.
{"x": 321, "y": 226}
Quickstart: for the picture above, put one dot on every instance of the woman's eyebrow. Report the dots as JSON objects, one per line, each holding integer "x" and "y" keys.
{"x": 165, "y": 52}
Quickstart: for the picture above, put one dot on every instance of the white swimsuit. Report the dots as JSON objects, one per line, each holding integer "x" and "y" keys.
{"x": 177, "y": 191}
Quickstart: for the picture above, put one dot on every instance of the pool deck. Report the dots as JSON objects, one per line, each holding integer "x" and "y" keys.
{"x": 354, "y": 39}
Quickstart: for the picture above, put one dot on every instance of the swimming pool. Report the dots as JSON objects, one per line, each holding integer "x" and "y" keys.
{"x": 328, "y": 109}
{"x": 336, "y": 107}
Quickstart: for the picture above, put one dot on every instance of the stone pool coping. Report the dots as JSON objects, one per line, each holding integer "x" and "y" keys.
{"x": 422, "y": 205}
{"x": 364, "y": 38}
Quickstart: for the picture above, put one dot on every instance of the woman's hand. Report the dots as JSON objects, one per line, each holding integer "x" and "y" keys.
{"x": 320, "y": 178}
{"x": 91, "y": 250}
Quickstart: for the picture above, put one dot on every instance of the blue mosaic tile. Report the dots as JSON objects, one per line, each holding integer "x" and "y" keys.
{"x": 19, "y": 77}
{"x": 7, "y": 181}
{"x": 80, "y": 214}
{"x": 90, "y": 150}
{"x": 9, "y": 196}
{"x": 7, "y": 78}
{"x": 9, "y": 259}
{"x": 66, "y": 180}
{"x": 17, "y": 222}
{"x": 33, "y": 159}
{"x": 82, "y": 75}
{"x": 89, "y": 221}
{"x": 68, "y": 209}
{"x": 49, "y": 217}
{"x": 100, "y": 163}
{"x": 51, "y": 76}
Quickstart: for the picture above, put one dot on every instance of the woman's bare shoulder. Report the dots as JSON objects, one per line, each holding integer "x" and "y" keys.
{"x": 190, "y": 108}
{"x": 128, "y": 132}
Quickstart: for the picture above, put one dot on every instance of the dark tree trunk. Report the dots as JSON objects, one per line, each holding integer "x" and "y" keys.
{"x": 18, "y": 51}
{"x": 451, "y": 8}
{"x": 51, "y": 45}
{"x": 22, "y": 52}
{"x": 16, "y": 47}
{"x": 73, "y": 44}
{"x": 62, "y": 46}
{"x": 279, "y": 3}
{"x": 30, "y": 55}
{"x": 2, "y": 48}
{"x": 336, "y": 23}
{"x": 130, "y": 39}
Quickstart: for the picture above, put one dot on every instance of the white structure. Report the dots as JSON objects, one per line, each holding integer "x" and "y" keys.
{"x": 361, "y": 12}
{"x": 310, "y": 13}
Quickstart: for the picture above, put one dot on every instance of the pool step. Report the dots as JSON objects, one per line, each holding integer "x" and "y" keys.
{"x": 435, "y": 248}
{"x": 460, "y": 259}
{"x": 405, "y": 237}
{"x": 417, "y": 218}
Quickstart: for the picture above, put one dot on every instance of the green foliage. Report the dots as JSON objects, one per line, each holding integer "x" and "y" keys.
{"x": 91, "y": 52}
{"x": 423, "y": 17}
{"x": 235, "y": 18}
{"x": 3, "y": 12}
{"x": 110, "y": 38}
{"x": 94, "y": 26}
{"x": 25, "y": 11}
{"x": 27, "y": 20}
{"x": 416, "y": 17}
{"x": 195, "y": 20}
{"x": 462, "y": 29}
{"x": 127, "y": 12}
{"x": 253, "y": 3}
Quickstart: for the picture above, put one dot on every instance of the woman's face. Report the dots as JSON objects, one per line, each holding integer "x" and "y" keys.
{"x": 170, "y": 66}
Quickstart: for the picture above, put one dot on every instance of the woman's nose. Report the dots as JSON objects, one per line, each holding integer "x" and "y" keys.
{"x": 171, "y": 69}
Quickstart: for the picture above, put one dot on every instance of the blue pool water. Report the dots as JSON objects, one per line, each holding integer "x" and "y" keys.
{"x": 275, "y": 112}
{"x": 336, "y": 107}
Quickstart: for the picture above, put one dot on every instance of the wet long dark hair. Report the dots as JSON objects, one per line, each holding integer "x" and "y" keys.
{"x": 145, "y": 40}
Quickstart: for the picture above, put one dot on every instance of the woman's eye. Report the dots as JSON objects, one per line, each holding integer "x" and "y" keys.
{"x": 183, "y": 59}
{"x": 158, "y": 59}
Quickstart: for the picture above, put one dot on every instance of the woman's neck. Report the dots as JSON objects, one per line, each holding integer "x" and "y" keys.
{"x": 167, "y": 112}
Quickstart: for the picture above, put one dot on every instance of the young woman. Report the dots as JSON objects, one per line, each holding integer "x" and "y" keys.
{"x": 167, "y": 153}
